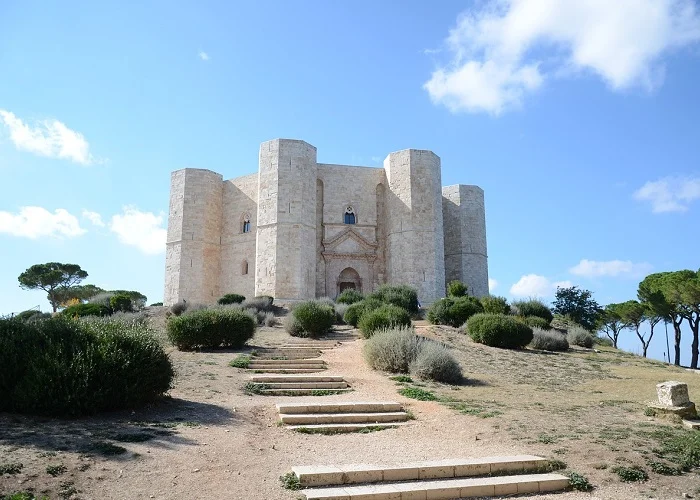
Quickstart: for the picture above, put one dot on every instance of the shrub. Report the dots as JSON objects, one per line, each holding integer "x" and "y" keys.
{"x": 349, "y": 296}
{"x": 64, "y": 367}
{"x": 293, "y": 327}
{"x": 579, "y": 336}
{"x": 534, "y": 307}
{"x": 604, "y": 341}
{"x": 179, "y": 307}
{"x": 121, "y": 302}
{"x": 392, "y": 350}
{"x": 456, "y": 288}
{"x": 633, "y": 474}
{"x": 314, "y": 317}
{"x": 27, "y": 315}
{"x": 340, "y": 310}
{"x": 261, "y": 303}
{"x": 269, "y": 319}
{"x": 548, "y": 340}
{"x": 386, "y": 316}
{"x": 156, "y": 304}
{"x": 138, "y": 318}
{"x": 101, "y": 298}
{"x": 499, "y": 330}
{"x": 453, "y": 311}
{"x": 211, "y": 328}
{"x": 355, "y": 311}
{"x": 80, "y": 310}
{"x": 402, "y": 295}
{"x": 537, "y": 322}
{"x": 434, "y": 362}
{"x": 231, "y": 298}
{"x": 495, "y": 305}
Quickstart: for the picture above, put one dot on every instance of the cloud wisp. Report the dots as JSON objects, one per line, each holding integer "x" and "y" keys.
{"x": 670, "y": 194}
{"x": 94, "y": 218}
{"x": 143, "y": 230}
{"x": 506, "y": 49}
{"x": 203, "y": 55}
{"x": 37, "y": 222}
{"x": 534, "y": 285}
{"x": 610, "y": 268}
{"x": 492, "y": 284}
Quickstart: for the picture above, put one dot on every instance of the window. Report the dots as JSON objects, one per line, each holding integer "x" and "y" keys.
{"x": 349, "y": 215}
{"x": 246, "y": 223}
{"x": 244, "y": 267}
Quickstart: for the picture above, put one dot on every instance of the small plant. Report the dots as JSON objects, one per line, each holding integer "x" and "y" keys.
{"x": 456, "y": 288}
{"x": 633, "y": 474}
{"x": 290, "y": 481}
{"x": 418, "y": 393}
{"x": 579, "y": 336}
{"x": 251, "y": 388}
{"x": 579, "y": 482}
{"x": 11, "y": 468}
{"x": 314, "y": 318}
{"x": 349, "y": 296}
{"x": 664, "y": 469}
{"x": 231, "y": 298}
{"x": 392, "y": 350}
{"x": 548, "y": 340}
{"x": 23, "y": 495}
{"x": 434, "y": 362}
{"x": 387, "y": 316}
{"x": 241, "y": 361}
{"x": 260, "y": 303}
{"x": 498, "y": 330}
{"x": 546, "y": 439}
{"x": 553, "y": 465}
{"x": 56, "y": 470}
{"x": 402, "y": 379}
{"x": 649, "y": 412}
{"x": 340, "y": 310}
{"x": 107, "y": 449}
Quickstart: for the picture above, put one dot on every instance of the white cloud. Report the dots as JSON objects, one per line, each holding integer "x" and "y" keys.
{"x": 49, "y": 138}
{"x": 592, "y": 268}
{"x": 534, "y": 285}
{"x": 497, "y": 50}
{"x": 203, "y": 55}
{"x": 37, "y": 222}
{"x": 492, "y": 284}
{"x": 671, "y": 194}
{"x": 94, "y": 218}
{"x": 144, "y": 230}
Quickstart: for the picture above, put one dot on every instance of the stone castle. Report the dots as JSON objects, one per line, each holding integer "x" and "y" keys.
{"x": 300, "y": 229}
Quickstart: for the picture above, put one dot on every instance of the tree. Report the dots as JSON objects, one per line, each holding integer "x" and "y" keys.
{"x": 456, "y": 288}
{"x": 137, "y": 298}
{"x": 656, "y": 292}
{"x": 635, "y": 314}
{"x": 79, "y": 293}
{"x": 611, "y": 323}
{"x": 577, "y": 304}
{"x": 53, "y": 278}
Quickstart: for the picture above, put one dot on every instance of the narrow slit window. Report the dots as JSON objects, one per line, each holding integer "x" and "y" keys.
{"x": 350, "y": 216}
{"x": 246, "y": 224}
{"x": 244, "y": 267}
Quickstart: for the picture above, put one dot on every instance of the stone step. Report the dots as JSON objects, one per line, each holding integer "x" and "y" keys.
{"x": 255, "y": 366}
{"x": 343, "y": 418}
{"x": 307, "y": 385}
{"x": 341, "y": 428}
{"x": 297, "y": 378}
{"x": 445, "y": 489}
{"x": 339, "y": 407}
{"x": 287, "y": 369}
{"x": 692, "y": 424}
{"x": 288, "y": 361}
{"x": 433, "y": 469}
{"x": 297, "y": 392}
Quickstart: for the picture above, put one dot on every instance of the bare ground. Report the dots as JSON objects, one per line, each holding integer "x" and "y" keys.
{"x": 209, "y": 439}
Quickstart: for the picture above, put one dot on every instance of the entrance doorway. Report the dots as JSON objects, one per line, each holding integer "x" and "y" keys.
{"x": 349, "y": 279}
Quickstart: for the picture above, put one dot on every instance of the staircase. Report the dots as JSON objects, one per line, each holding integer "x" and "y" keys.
{"x": 299, "y": 385}
{"x": 331, "y": 418}
{"x": 442, "y": 479}
{"x": 287, "y": 365}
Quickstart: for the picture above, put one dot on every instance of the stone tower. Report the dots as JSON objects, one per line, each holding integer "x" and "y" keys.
{"x": 193, "y": 247}
{"x": 285, "y": 264}
{"x": 414, "y": 234}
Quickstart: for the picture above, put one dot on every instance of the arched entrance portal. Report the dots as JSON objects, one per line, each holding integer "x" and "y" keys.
{"x": 349, "y": 279}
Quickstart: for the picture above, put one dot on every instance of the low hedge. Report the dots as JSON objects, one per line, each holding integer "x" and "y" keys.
{"x": 211, "y": 328}
{"x": 355, "y": 311}
{"x": 548, "y": 340}
{"x": 386, "y": 316}
{"x": 579, "y": 336}
{"x": 231, "y": 298}
{"x": 453, "y": 311}
{"x": 313, "y": 318}
{"x": 533, "y": 307}
{"x": 67, "y": 367}
{"x": 399, "y": 295}
{"x": 349, "y": 296}
{"x": 499, "y": 330}
{"x": 537, "y": 322}
{"x": 80, "y": 310}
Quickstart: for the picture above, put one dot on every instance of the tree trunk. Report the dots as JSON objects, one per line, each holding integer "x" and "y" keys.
{"x": 644, "y": 349}
{"x": 694, "y": 346}
{"x": 677, "y": 343}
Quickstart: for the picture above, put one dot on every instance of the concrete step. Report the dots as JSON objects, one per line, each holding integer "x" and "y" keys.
{"x": 307, "y": 385}
{"x": 297, "y": 378}
{"x": 343, "y": 418}
{"x": 445, "y": 489}
{"x": 298, "y": 392}
{"x": 289, "y": 370}
{"x": 288, "y": 361}
{"x": 339, "y": 407}
{"x": 255, "y": 364}
{"x": 433, "y": 469}
{"x": 341, "y": 428}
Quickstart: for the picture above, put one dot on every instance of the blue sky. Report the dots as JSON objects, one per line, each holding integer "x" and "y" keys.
{"x": 579, "y": 120}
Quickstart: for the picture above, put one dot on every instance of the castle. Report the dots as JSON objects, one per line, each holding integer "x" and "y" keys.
{"x": 300, "y": 229}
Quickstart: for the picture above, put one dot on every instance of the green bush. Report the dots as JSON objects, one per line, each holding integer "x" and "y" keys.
{"x": 349, "y": 296}
{"x": 537, "y": 322}
{"x": 340, "y": 310}
{"x": 80, "y": 310}
{"x": 66, "y": 367}
{"x": 456, "y": 288}
{"x": 27, "y": 315}
{"x": 533, "y": 307}
{"x": 231, "y": 298}
{"x": 261, "y": 303}
{"x": 121, "y": 302}
{"x": 156, "y": 304}
{"x": 604, "y": 341}
{"x": 392, "y": 350}
{"x": 434, "y": 362}
{"x": 495, "y": 305}
{"x": 579, "y": 336}
{"x": 211, "y": 328}
{"x": 355, "y": 311}
{"x": 499, "y": 330}
{"x": 453, "y": 311}
{"x": 400, "y": 295}
{"x": 178, "y": 307}
{"x": 293, "y": 327}
{"x": 314, "y": 317}
{"x": 548, "y": 340}
{"x": 387, "y": 316}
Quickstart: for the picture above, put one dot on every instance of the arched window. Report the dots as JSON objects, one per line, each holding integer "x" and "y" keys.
{"x": 349, "y": 215}
{"x": 244, "y": 267}
{"x": 246, "y": 223}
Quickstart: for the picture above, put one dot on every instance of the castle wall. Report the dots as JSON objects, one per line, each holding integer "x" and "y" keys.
{"x": 193, "y": 251}
{"x": 240, "y": 199}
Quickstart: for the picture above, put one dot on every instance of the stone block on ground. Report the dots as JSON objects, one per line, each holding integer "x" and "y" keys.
{"x": 673, "y": 393}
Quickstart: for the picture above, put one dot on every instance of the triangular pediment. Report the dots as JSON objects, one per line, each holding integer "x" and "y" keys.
{"x": 349, "y": 242}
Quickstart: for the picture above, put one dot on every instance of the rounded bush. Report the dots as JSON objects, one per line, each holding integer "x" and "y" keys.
{"x": 537, "y": 322}
{"x": 579, "y": 336}
{"x": 121, "y": 302}
{"x": 27, "y": 315}
{"x": 495, "y": 305}
{"x": 453, "y": 311}
{"x": 178, "y": 307}
{"x": 314, "y": 317}
{"x": 402, "y": 296}
{"x": 392, "y": 350}
{"x": 355, "y": 311}
{"x": 231, "y": 298}
{"x": 65, "y": 367}
{"x": 548, "y": 340}
{"x": 456, "y": 288}
{"x": 434, "y": 362}
{"x": 534, "y": 307}
{"x": 349, "y": 296}
{"x": 80, "y": 310}
{"x": 499, "y": 330}
{"x": 340, "y": 310}
{"x": 211, "y": 328}
{"x": 293, "y": 327}
{"x": 387, "y": 316}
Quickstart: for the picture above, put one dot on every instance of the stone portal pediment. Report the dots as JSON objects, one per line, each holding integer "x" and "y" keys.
{"x": 349, "y": 243}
